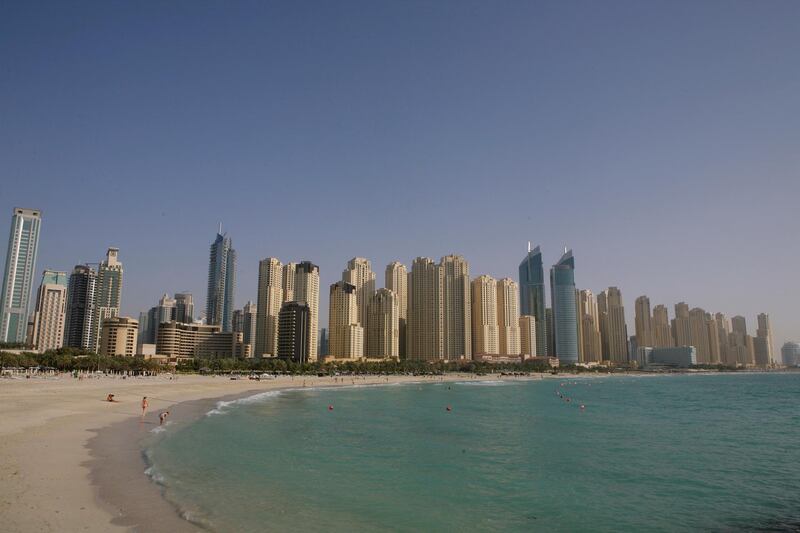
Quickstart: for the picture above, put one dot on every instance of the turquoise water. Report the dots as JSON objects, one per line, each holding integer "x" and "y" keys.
{"x": 668, "y": 453}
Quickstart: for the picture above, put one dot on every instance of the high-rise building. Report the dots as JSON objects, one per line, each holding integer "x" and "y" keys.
{"x": 184, "y": 308}
{"x": 23, "y": 245}
{"x": 221, "y": 282}
{"x": 323, "y": 343}
{"x": 287, "y": 284}
{"x": 532, "y": 295}
{"x": 662, "y": 331}
{"x": 80, "y": 307}
{"x": 644, "y": 322}
{"x": 457, "y": 308}
{"x": 108, "y": 294}
{"x": 613, "y": 330}
{"x": 397, "y": 282}
{"x": 565, "y": 320}
{"x": 508, "y": 316}
{"x": 726, "y": 355}
{"x": 248, "y": 327}
{"x": 740, "y": 342}
{"x": 346, "y": 333}
{"x": 698, "y": 335}
{"x": 589, "y": 328}
{"x": 293, "y": 332}
{"x": 383, "y": 321}
{"x": 360, "y": 275}
{"x": 485, "y": 329}
{"x": 425, "y": 313}
{"x": 527, "y": 336}
{"x": 166, "y": 309}
{"x": 681, "y": 330}
{"x": 118, "y": 336}
{"x": 714, "y": 351}
{"x": 270, "y": 298}
{"x": 306, "y": 289}
{"x": 763, "y": 341}
{"x": 50, "y": 314}
{"x": 551, "y": 336}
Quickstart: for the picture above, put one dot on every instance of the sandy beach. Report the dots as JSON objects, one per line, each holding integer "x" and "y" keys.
{"x": 71, "y": 461}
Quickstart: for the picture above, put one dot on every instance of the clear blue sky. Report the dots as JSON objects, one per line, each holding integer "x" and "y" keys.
{"x": 659, "y": 140}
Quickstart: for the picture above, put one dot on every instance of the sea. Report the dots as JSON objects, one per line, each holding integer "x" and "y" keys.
{"x": 705, "y": 452}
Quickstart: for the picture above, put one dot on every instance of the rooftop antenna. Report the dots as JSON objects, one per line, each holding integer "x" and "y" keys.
{"x": 220, "y": 228}
{"x": 529, "y": 246}
{"x": 565, "y": 248}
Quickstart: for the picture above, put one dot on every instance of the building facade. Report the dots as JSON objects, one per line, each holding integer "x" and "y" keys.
{"x": 119, "y": 336}
{"x": 527, "y": 336}
{"x": 343, "y": 322}
{"x": 294, "y": 322}
{"x": 508, "y": 317}
{"x": 425, "y": 311}
{"x": 306, "y": 289}
{"x": 15, "y": 295}
{"x": 383, "y": 322}
{"x": 49, "y": 316}
{"x": 221, "y": 282}
{"x": 396, "y": 280}
{"x": 643, "y": 322}
{"x": 565, "y": 322}
{"x": 485, "y": 329}
{"x": 199, "y": 340}
{"x": 532, "y": 294}
{"x": 589, "y": 328}
{"x": 613, "y": 330}
{"x": 80, "y": 317}
{"x": 270, "y": 299}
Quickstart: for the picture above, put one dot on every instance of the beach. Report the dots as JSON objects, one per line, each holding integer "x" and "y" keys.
{"x": 71, "y": 461}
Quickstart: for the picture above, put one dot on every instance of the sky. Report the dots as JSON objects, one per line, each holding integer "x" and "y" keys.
{"x": 658, "y": 140}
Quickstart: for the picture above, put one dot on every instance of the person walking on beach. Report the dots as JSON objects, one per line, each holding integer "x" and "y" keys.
{"x": 145, "y": 403}
{"x": 162, "y": 417}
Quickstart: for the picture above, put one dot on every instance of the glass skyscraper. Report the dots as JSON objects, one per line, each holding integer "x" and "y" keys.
{"x": 23, "y": 244}
{"x": 221, "y": 282}
{"x": 565, "y": 322}
{"x": 532, "y": 295}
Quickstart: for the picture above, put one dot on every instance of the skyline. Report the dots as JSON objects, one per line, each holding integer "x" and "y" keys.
{"x": 668, "y": 165}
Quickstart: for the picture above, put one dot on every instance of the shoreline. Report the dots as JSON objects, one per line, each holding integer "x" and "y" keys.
{"x": 70, "y": 461}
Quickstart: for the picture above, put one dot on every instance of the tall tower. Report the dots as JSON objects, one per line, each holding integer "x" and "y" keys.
{"x": 681, "y": 330}
{"x": 23, "y": 245}
{"x": 50, "y": 314}
{"x": 346, "y": 333}
{"x": 485, "y": 333}
{"x": 508, "y": 317}
{"x": 726, "y": 355}
{"x": 589, "y": 327}
{"x": 221, "y": 282}
{"x": 425, "y": 311}
{"x": 613, "y": 331}
{"x": 763, "y": 341}
{"x": 698, "y": 335}
{"x": 270, "y": 298}
{"x": 306, "y": 289}
{"x": 532, "y": 295}
{"x": 184, "y": 308}
{"x": 80, "y": 318}
{"x": 288, "y": 281}
{"x": 527, "y": 336}
{"x": 293, "y": 332}
{"x": 662, "y": 331}
{"x": 383, "y": 321}
{"x": 108, "y": 295}
{"x": 249, "y": 317}
{"x": 456, "y": 299}
{"x": 565, "y": 322}
{"x": 360, "y": 275}
{"x": 397, "y": 282}
{"x": 644, "y": 322}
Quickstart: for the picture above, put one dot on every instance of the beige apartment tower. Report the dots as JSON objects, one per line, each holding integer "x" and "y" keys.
{"x": 698, "y": 335}
{"x": 270, "y": 299}
{"x": 424, "y": 338}
{"x": 345, "y": 333}
{"x": 589, "y": 338}
{"x": 50, "y": 313}
{"x": 527, "y": 336}
{"x": 508, "y": 316}
{"x": 681, "y": 330}
{"x": 457, "y": 308}
{"x": 306, "y": 289}
{"x": 287, "y": 283}
{"x": 397, "y": 282}
{"x": 644, "y": 323}
{"x": 485, "y": 330}
{"x": 383, "y": 319}
{"x": 613, "y": 331}
{"x": 118, "y": 336}
{"x": 662, "y": 331}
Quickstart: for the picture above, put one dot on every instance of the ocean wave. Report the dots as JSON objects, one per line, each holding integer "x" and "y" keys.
{"x": 487, "y": 383}
{"x": 154, "y": 475}
{"x": 224, "y": 406}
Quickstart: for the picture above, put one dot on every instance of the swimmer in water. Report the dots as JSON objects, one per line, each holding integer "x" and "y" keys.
{"x": 145, "y": 403}
{"x": 162, "y": 417}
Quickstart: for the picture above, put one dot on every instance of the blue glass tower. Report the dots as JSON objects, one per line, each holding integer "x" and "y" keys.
{"x": 532, "y": 295}
{"x": 562, "y": 296}
{"x": 221, "y": 282}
